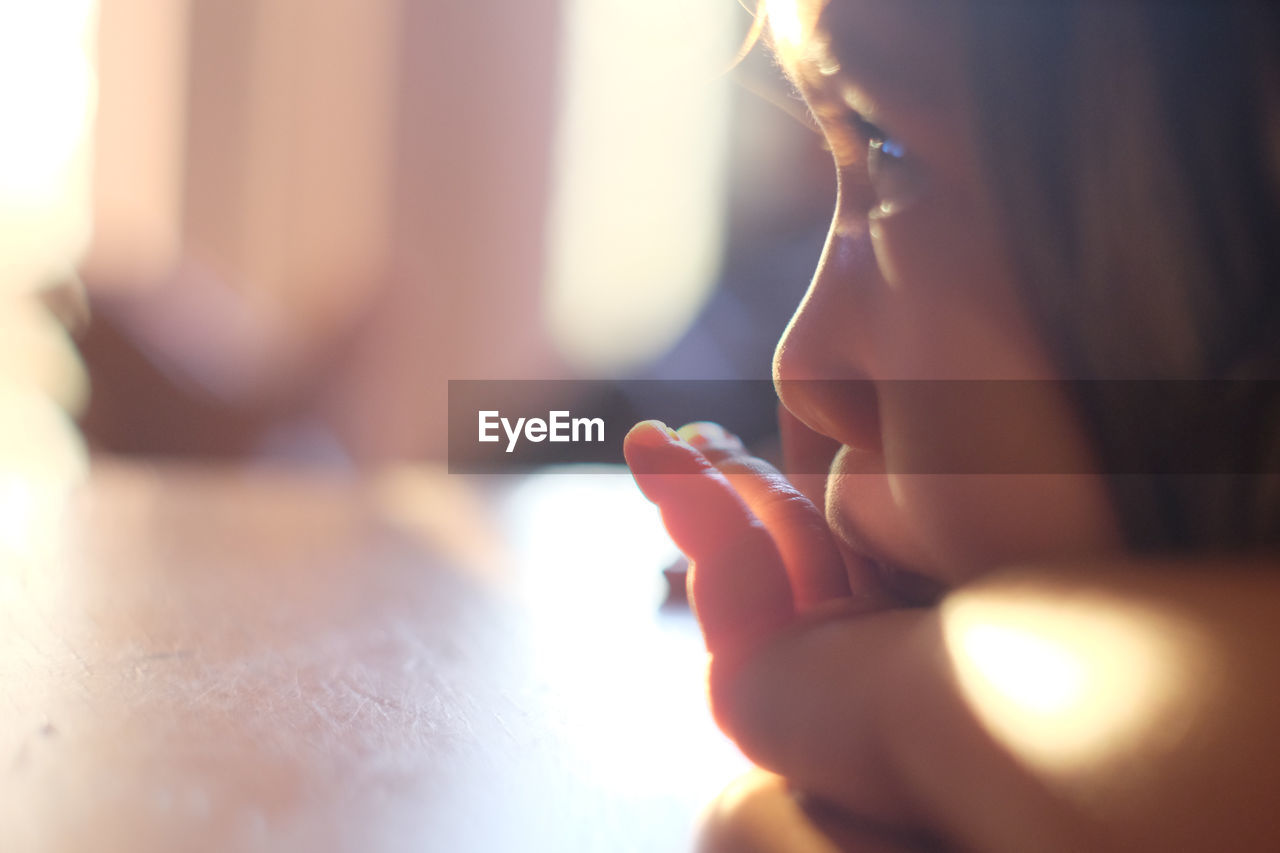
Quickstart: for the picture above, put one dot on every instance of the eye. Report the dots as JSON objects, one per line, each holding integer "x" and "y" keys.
{"x": 893, "y": 175}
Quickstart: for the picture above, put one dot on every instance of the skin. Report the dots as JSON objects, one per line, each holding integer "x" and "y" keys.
{"x": 822, "y": 680}
{"x": 925, "y": 290}
{"x": 847, "y": 680}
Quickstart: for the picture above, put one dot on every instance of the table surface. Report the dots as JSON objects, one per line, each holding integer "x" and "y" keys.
{"x": 232, "y": 659}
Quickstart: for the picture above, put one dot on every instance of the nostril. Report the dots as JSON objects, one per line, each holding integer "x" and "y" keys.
{"x": 846, "y": 410}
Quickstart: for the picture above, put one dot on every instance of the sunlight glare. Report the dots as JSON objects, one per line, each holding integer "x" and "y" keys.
{"x": 589, "y": 550}
{"x": 1030, "y": 671}
{"x": 792, "y": 25}
{"x": 1065, "y": 684}
{"x": 784, "y": 21}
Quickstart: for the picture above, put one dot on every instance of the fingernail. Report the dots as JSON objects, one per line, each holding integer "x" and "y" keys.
{"x": 653, "y": 431}
{"x": 709, "y": 434}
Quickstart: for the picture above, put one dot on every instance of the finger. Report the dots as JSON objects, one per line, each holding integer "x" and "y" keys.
{"x": 798, "y": 528}
{"x": 738, "y": 583}
{"x": 865, "y": 713}
{"x": 806, "y": 456}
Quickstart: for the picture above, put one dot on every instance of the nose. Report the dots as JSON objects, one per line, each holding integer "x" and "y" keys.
{"x": 821, "y": 364}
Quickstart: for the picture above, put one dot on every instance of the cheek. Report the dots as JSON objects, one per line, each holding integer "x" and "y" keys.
{"x": 970, "y": 524}
{"x": 950, "y": 307}
{"x": 968, "y": 451}
{"x": 954, "y": 527}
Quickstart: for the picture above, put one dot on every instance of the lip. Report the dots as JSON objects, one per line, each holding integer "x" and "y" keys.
{"x": 906, "y": 585}
{"x": 902, "y": 586}
{"x": 910, "y": 588}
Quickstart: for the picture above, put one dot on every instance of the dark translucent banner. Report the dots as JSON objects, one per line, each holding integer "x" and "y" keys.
{"x": 1113, "y": 427}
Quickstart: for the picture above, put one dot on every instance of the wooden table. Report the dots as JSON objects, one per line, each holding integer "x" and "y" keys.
{"x": 219, "y": 659}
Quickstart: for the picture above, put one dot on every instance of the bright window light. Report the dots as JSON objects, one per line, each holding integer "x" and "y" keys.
{"x": 637, "y": 211}
{"x": 46, "y": 105}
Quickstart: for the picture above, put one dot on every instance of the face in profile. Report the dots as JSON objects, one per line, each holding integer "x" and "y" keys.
{"x": 916, "y": 282}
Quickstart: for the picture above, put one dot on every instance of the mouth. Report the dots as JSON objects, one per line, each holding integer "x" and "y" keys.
{"x": 898, "y": 583}
{"x": 903, "y": 586}
{"x": 908, "y": 588}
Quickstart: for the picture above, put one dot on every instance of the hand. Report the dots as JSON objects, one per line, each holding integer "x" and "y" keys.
{"x": 794, "y": 686}
{"x": 813, "y": 671}
{"x": 877, "y": 711}
{"x": 760, "y": 550}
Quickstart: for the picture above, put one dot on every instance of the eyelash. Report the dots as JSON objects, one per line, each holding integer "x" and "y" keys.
{"x": 866, "y": 156}
{"x": 870, "y": 133}
{"x": 846, "y": 133}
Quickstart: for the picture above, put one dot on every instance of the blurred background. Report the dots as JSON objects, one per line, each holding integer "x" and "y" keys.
{"x": 265, "y": 234}
{"x": 275, "y": 229}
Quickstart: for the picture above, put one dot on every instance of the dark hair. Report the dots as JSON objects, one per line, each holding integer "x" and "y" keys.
{"x": 1134, "y": 148}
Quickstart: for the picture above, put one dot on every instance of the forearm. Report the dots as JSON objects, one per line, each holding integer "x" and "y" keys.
{"x": 1118, "y": 707}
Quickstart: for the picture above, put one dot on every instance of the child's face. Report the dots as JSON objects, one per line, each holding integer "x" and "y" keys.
{"x": 916, "y": 283}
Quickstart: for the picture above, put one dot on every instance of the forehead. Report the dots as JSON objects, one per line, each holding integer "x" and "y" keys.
{"x": 890, "y": 47}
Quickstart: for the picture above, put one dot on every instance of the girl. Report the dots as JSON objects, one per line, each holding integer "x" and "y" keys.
{"x": 1074, "y": 650}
